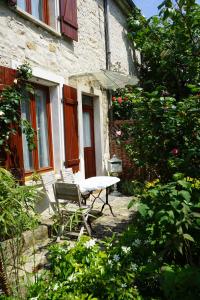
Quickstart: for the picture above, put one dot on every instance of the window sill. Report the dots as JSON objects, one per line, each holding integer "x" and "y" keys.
{"x": 29, "y": 17}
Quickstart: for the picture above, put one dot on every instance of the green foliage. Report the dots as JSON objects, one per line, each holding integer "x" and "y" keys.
{"x": 10, "y": 115}
{"x": 171, "y": 220}
{"x": 87, "y": 272}
{"x": 16, "y": 206}
{"x": 164, "y": 137}
{"x": 131, "y": 188}
{"x": 169, "y": 44}
{"x": 181, "y": 283}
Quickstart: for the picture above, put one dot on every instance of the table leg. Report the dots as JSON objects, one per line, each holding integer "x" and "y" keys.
{"x": 106, "y": 203}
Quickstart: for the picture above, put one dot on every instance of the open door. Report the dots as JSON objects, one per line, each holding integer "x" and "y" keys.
{"x": 88, "y": 136}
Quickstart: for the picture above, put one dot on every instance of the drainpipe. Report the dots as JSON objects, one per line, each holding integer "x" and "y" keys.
{"x": 107, "y": 34}
{"x": 108, "y": 53}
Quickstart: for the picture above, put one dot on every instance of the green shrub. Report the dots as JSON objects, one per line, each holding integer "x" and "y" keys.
{"x": 89, "y": 272}
{"x": 180, "y": 283}
{"x": 170, "y": 217}
{"x": 16, "y": 206}
{"x": 130, "y": 188}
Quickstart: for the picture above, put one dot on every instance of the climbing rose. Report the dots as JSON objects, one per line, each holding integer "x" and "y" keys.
{"x": 175, "y": 151}
{"x": 113, "y": 98}
{"x": 119, "y": 100}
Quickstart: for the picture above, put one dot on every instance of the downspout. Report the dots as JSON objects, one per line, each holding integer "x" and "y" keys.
{"x": 107, "y": 34}
{"x": 108, "y": 52}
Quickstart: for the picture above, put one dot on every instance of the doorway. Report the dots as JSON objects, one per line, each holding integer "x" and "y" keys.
{"x": 88, "y": 136}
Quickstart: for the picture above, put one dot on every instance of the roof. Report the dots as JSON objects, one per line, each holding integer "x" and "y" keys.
{"x": 126, "y": 5}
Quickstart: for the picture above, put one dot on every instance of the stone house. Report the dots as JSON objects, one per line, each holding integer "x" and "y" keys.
{"x": 75, "y": 49}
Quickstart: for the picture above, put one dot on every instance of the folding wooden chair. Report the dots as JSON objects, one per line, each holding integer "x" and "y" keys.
{"x": 68, "y": 176}
{"x": 71, "y": 194}
{"x": 48, "y": 180}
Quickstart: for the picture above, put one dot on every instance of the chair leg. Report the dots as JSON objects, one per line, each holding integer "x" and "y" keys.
{"x": 61, "y": 229}
{"x": 87, "y": 227}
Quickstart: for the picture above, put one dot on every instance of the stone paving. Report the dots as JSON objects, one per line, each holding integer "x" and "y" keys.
{"x": 106, "y": 224}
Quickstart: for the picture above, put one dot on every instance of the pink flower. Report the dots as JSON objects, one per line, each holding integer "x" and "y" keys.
{"x": 118, "y": 133}
{"x": 113, "y": 99}
{"x": 119, "y": 100}
{"x": 175, "y": 151}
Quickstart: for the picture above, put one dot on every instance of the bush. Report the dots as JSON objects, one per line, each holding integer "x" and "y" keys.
{"x": 87, "y": 272}
{"x": 180, "y": 283}
{"x": 16, "y": 206}
{"x": 170, "y": 217}
{"x": 164, "y": 137}
{"x": 130, "y": 188}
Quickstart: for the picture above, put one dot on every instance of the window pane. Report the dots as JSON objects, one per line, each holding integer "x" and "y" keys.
{"x": 22, "y": 4}
{"x": 37, "y": 9}
{"x": 86, "y": 129}
{"x": 42, "y": 128}
{"x": 52, "y": 13}
{"x": 27, "y": 155}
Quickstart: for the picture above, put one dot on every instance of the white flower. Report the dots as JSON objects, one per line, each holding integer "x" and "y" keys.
{"x": 15, "y": 81}
{"x": 110, "y": 262}
{"x": 126, "y": 249}
{"x": 134, "y": 267}
{"x": 34, "y": 298}
{"x": 124, "y": 285}
{"x": 90, "y": 243}
{"x": 136, "y": 243}
{"x": 116, "y": 257}
{"x": 136, "y": 22}
{"x": 56, "y": 286}
{"x": 72, "y": 277}
{"x": 1, "y": 113}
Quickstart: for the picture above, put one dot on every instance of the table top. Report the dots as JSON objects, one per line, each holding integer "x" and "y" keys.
{"x": 97, "y": 183}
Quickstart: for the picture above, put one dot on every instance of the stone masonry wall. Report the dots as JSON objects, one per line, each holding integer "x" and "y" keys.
{"x": 21, "y": 40}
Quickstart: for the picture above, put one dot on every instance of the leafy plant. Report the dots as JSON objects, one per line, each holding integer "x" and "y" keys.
{"x": 169, "y": 46}
{"x": 16, "y": 215}
{"x": 131, "y": 188}
{"x": 88, "y": 272}
{"x": 164, "y": 135}
{"x": 171, "y": 219}
{"x": 10, "y": 116}
{"x": 16, "y": 206}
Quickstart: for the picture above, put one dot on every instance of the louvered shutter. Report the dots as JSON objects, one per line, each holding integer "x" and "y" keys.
{"x": 71, "y": 127}
{"x": 68, "y": 11}
{"x": 13, "y": 160}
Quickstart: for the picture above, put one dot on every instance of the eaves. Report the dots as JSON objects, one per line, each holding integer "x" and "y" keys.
{"x": 127, "y": 6}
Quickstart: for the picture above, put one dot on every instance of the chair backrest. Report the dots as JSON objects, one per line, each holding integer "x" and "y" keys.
{"x": 67, "y": 175}
{"x": 67, "y": 191}
{"x": 48, "y": 179}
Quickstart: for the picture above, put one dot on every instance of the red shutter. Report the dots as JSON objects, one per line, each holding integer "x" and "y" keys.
{"x": 68, "y": 11}
{"x": 13, "y": 160}
{"x": 71, "y": 127}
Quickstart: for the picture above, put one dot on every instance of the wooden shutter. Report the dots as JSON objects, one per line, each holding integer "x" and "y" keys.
{"x": 68, "y": 11}
{"x": 13, "y": 160}
{"x": 71, "y": 127}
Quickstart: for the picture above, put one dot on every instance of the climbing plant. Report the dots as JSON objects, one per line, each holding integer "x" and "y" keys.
{"x": 10, "y": 115}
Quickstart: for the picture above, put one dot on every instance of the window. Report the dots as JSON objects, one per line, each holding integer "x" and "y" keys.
{"x": 43, "y": 10}
{"x": 36, "y": 109}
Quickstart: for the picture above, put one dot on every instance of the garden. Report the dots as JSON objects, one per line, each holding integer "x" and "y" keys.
{"x": 157, "y": 256}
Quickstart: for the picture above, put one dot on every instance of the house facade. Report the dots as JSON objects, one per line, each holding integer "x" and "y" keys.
{"x": 74, "y": 47}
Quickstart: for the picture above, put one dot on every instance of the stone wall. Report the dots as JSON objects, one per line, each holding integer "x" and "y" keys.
{"x": 21, "y": 39}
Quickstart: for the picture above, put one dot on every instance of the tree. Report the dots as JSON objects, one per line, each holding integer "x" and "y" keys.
{"x": 170, "y": 46}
